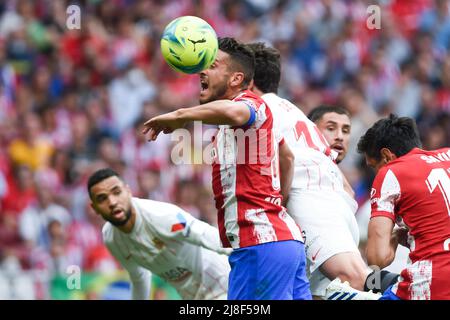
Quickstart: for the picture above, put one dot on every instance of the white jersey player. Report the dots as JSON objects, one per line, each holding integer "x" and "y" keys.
{"x": 156, "y": 237}
{"x": 317, "y": 201}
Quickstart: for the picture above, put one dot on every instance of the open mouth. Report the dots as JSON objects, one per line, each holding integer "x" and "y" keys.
{"x": 117, "y": 212}
{"x": 203, "y": 85}
{"x": 338, "y": 148}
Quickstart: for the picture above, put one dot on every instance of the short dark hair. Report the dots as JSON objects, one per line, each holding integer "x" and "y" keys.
{"x": 398, "y": 134}
{"x": 242, "y": 58}
{"x": 267, "y": 67}
{"x": 317, "y": 113}
{"x": 99, "y": 176}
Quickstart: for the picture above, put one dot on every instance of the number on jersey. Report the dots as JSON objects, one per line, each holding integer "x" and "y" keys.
{"x": 302, "y": 131}
{"x": 439, "y": 178}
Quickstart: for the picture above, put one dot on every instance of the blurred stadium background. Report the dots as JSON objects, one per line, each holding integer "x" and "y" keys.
{"x": 73, "y": 101}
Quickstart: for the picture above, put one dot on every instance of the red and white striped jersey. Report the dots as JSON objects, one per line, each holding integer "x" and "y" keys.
{"x": 414, "y": 191}
{"x": 315, "y": 168}
{"x": 246, "y": 182}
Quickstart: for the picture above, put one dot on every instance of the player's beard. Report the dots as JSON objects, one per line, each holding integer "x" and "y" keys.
{"x": 123, "y": 222}
{"x": 217, "y": 94}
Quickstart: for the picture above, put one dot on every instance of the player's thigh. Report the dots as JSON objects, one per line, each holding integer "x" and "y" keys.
{"x": 265, "y": 272}
{"x": 302, "y": 290}
{"x": 327, "y": 225}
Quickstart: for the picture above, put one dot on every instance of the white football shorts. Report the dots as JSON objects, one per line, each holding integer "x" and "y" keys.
{"x": 329, "y": 227}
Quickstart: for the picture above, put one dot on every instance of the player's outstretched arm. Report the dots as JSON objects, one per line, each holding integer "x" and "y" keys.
{"x": 206, "y": 236}
{"x": 381, "y": 246}
{"x": 175, "y": 223}
{"x": 219, "y": 112}
{"x": 140, "y": 278}
{"x": 140, "y": 284}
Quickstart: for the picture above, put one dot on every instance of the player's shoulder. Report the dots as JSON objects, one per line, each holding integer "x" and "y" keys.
{"x": 248, "y": 96}
{"x": 389, "y": 175}
{"x": 408, "y": 166}
{"x": 442, "y": 154}
{"x": 418, "y": 158}
{"x": 108, "y": 233}
{"x": 270, "y": 96}
{"x": 273, "y": 101}
{"x": 155, "y": 209}
{"x": 278, "y": 103}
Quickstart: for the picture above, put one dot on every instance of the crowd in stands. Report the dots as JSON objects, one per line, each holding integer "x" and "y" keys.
{"x": 74, "y": 100}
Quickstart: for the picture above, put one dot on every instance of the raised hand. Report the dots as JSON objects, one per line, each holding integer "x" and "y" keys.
{"x": 166, "y": 123}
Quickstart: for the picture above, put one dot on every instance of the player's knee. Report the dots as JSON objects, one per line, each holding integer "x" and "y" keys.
{"x": 357, "y": 278}
{"x": 355, "y": 273}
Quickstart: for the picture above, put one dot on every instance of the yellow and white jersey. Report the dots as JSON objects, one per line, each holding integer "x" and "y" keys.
{"x": 172, "y": 244}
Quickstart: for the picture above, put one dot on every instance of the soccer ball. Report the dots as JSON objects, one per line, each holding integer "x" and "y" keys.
{"x": 189, "y": 44}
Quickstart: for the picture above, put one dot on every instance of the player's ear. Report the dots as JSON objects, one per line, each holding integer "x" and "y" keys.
{"x": 91, "y": 204}
{"x": 237, "y": 79}
{"x": 387, "y": 155}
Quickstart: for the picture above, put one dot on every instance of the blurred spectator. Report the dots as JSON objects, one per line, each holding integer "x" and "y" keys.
{"x": 436, "y": 20}
{"x": 20, "y": 191}
{"x": 186, "y": 196}
{"x": 149, "y": 185}
{"x": 35, "y": 219}
{"x": 406, "y": 92}
{"x": 31, "y": 148}
{"x": 127, "y": 94}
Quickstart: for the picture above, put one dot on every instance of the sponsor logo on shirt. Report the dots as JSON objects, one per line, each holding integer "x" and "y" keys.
{"x": 313, "y": 258}
{"x": 180, "y": 225}
{"x": 158, "y": 243}
{"x": 177, "y": 274}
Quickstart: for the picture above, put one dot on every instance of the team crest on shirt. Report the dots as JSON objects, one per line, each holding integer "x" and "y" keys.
{"x": 180, "y": 225}
{"x": 158, "y": 243}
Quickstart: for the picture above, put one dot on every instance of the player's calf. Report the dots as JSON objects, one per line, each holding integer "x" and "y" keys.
{"x": 347, "y": 266}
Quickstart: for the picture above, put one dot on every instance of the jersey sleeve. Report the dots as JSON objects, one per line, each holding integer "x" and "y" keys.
{"x": 257, "y": 112}
{"x": 140, "y": 277}
{"x": 385, "y": 194}
{"x": 178, "y": 224}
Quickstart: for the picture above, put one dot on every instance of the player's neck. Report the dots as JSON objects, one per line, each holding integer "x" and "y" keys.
{"x": 128, "y": 227}
{"x": 256, "y": 91}
{"x": 231, "y": 94}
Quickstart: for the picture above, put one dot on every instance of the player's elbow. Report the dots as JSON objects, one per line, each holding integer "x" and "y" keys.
{"x": 380, "y": 257}
{"x": 286, "y": 155}
{"x": 286, "y": 166}
{"x": 289, "y": 158}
